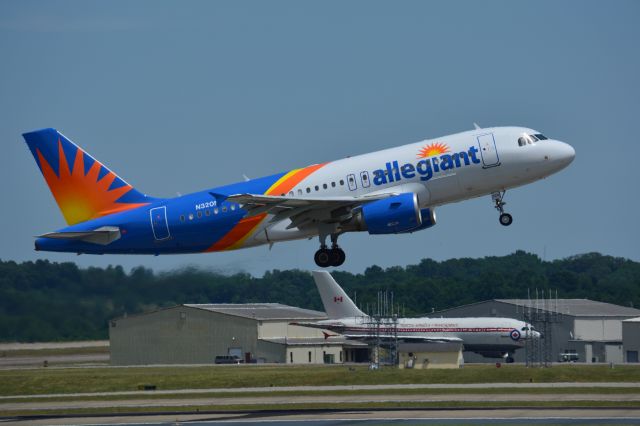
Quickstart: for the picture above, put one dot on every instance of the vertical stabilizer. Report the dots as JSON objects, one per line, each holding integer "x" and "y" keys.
{"x": 336, "y": 302}
{"x": 82, "y": 186}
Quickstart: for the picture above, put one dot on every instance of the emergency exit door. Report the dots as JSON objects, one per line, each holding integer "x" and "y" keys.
{"x": 488, "y": 151}
{"x": 159, "y": 224}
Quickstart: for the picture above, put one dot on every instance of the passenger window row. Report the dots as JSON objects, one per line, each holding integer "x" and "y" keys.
{"x": 208, "y": 212}
{"x": 316, "y": 187}
{"x": 216, "y": 211}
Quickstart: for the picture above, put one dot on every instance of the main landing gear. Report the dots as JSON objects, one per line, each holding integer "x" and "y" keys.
{"x": 505, "y": 218}
{"x": 334, "y": 256}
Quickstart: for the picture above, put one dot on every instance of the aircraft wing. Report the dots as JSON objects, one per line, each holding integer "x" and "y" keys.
{"x": 302, "y": 210}
{"x": 103, "y": 235}
{"x": 337, "y": 327}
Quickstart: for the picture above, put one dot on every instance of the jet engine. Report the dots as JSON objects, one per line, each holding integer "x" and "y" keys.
{"x": 395, "y": 215}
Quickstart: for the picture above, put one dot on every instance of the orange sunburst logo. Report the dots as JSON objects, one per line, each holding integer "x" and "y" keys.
{"x": 83, "y": 196}
{"x": 435, "y": 148}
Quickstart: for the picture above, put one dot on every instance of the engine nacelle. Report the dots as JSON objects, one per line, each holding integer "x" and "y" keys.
{"x": 393, "y": 215}
{"x": 428, "y": 217}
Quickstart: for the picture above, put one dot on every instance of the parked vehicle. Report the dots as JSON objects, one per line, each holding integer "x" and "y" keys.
{"x": 227, "y": 359}
{"x": 568, "y": 357}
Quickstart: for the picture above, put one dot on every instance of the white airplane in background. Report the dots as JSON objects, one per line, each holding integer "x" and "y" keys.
{"x": 393, "y": 191}
{"x": 488, "y": 336}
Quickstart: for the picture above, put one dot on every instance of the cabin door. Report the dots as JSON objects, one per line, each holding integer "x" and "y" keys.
{"x": 488, "y": 151}
{"x": 159, "y": 224}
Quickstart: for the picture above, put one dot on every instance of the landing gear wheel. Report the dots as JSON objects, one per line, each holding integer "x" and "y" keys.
{"x": 506, "y": 219}
{"x": 337, "y": 256}
{"x": 323, "y": 257}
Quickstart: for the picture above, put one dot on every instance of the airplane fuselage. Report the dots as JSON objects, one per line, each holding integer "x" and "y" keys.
{"x": 477, "y": 334}
{"x": 439, "y": 171}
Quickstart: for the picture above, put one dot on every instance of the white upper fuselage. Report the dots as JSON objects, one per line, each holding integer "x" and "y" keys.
{"x": 475, "y": 333}
{"x": 472, "y": 164}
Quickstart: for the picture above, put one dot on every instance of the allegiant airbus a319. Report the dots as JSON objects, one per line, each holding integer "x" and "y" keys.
{"x": 393, "y": 191}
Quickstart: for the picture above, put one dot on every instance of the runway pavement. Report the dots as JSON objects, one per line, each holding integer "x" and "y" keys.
{"x": 512, "y": 416}
{"x": 280, "y": 400}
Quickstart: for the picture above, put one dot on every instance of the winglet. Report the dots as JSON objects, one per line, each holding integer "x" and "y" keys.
{"x": 476, "y": 126}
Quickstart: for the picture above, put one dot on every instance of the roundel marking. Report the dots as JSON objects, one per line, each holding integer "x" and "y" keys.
{"x": 515, "y": 334}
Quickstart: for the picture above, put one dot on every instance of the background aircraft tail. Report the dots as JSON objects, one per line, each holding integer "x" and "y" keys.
{"x": 336, "y": 302}
{"x": 82, "y": 186}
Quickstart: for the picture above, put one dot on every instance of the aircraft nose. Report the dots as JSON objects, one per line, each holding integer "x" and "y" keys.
{"x": 563, "y": 154}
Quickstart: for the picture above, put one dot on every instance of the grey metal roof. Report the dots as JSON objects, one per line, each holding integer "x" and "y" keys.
{"x": 575, "y": 307}
{"x": 261, "y": 311}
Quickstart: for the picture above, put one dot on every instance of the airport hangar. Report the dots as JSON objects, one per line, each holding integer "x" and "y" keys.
{"x": 197, "y": 333}
{"x": 258, "y": 332}
{"x": 593, "y": 330}
{"x": 631, "y": 339}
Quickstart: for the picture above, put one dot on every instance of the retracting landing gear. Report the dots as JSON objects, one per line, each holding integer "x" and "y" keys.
{"x": 329, "y": 257}
{"x": 505, "y": 218}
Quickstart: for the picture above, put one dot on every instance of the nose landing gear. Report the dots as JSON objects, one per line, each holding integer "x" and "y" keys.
{"x": 325, "y": 257}
{"x": 505, "y": 218}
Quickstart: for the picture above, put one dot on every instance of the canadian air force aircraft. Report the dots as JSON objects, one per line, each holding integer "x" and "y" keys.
{"x": 488, "y": 336}
{"x": 393, "y": 191}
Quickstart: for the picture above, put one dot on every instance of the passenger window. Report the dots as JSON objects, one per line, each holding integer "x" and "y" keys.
{"x": 308, "y": 190}
{"x": 333, "y": 184}
{"x": 207, "y": 212}
{"x": 341, "y": 182}
{"x": 317, "y": 188}
{"x": 181, "y": 218}
{"x": 199, "y": 214}
{"x": 290, "y": 193}
{"x": 233, "y": 207}
{"x": 215, "y": 210}
{"x": 324, "y": 185}
{"x": 190, "y": 216}
{"x": 300, "y": 191}
{"x": 224, "y": 209}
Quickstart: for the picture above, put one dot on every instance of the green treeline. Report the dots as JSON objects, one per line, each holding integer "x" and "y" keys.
{"x": 44, "y": 301}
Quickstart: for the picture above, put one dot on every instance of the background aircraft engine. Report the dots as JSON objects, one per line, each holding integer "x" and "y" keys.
{"x": 393, "y": 215}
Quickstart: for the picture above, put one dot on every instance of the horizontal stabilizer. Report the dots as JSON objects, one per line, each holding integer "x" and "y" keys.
{"x": 103, "y": 235}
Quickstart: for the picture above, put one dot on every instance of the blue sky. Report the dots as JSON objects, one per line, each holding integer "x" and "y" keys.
{"x": 182, "y": 96}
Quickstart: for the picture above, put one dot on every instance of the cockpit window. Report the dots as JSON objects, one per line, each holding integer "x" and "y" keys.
{"x": 531, "y": 139}
{"x": 525, "y": 328}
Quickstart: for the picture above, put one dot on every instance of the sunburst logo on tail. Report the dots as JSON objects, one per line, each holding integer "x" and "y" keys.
{"x": 83, "y": 196}
{"x": 435, "y": 148}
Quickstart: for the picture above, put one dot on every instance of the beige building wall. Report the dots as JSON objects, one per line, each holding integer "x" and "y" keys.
{"x": 313, "y": 354}
{"x": 598, "y": 329}
{"x": 424, "y": 360}
{"x": 277, "y": 329}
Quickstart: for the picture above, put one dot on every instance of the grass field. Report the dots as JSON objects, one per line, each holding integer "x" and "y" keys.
{"x": 81, "y": 380}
